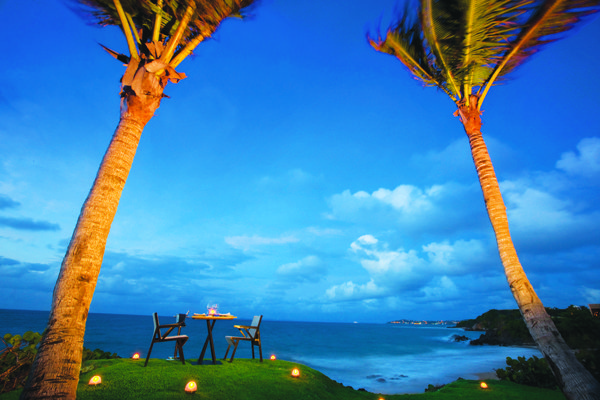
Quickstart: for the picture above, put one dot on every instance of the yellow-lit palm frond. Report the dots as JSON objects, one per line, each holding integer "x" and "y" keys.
{"x": 544, "y": 24}
{"x": 405, "y": 41}
{"x": 167, "y": 28}
{"x": 465, "y": 45}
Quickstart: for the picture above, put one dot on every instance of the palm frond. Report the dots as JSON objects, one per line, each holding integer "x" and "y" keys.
{"x": 440, "y": 24}
{"x": 464, "y": 45}
{"x": 545, "y": 23}
{"x": 405, "y": 41}
{"x": 488, "y": 27}
{"x": 159, "y": 20}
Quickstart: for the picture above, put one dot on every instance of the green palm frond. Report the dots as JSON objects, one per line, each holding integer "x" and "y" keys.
{"x": 441, "y": 21}
{"x": 547, "y": 20}
{"x": 179, "y": 24}
{"x": 405, "y": 41}
{"x": 466, "y": 46}
{"x": 487, "y": 28}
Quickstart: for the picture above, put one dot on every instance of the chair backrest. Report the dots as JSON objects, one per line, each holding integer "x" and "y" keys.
{"x": 156, "y": 325}
{"x": 255, "y": 323}
{"x": 180, "y": 319}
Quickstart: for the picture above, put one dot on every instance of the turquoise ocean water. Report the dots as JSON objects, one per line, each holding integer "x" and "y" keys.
{"x": 382, "y": 358}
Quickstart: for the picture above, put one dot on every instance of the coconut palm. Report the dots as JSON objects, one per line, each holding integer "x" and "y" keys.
{"x": 464, "y": 47}
{"x": 160, "y": 34}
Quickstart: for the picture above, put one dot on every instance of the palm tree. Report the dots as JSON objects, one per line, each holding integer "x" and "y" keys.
{"x": 160, "y": 34}
{"x": 463, "y": 47}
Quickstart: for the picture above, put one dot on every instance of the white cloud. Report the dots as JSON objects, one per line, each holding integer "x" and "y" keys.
{"x": 549, "y": 222}
{"x": 440, "y": 288}
{"x": 310, "y": 268}
{"x": 350, "y": 291}
{"x": 460, "y": 257}
{"x": 246, "y": 242}
{"x": 394, "y": 271}
{"x": 591, "y": 296}
{"x": 586, "y": 162}
{"x": 404, "y": 198}
{"x": 443, "y": 209}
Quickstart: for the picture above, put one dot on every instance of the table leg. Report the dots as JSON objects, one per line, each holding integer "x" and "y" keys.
{"x": 212, "y": 343}
{"x": 209, "y": 338}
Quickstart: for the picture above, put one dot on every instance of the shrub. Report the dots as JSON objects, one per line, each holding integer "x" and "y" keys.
{"x": 16, "y": 359}
{"x": 18, "y": 355}
{"x": 97, "y": 355}
{"x": 533, "y": 372}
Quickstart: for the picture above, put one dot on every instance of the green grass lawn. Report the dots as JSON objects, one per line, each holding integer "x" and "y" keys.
{"x": 249, "y": 379}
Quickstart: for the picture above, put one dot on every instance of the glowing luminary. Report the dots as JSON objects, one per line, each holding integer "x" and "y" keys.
{"x": 212, "y": 311}
{"x": 483, "y": 385}
{"x": 95, "y": 380}
{"x": 295, "y": 373}
{"x": 273, "y": 357}
{"x": 136, "y": 356}
{"x": 191, "y": 387}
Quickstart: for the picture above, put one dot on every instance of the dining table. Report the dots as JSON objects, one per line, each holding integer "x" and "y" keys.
{"x": 210, "y": 323}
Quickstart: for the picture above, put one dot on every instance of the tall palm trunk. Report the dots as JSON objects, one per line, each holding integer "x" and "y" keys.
{"x": 55, "y": 371}
{"x": 575, "y": 381}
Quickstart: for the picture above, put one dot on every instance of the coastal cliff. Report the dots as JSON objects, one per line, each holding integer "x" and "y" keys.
{"x": 506, "y": 327}
{"x": 576, "y": 324}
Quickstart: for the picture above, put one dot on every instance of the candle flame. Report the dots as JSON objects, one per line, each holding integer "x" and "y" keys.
{"x": 191, "y": 387}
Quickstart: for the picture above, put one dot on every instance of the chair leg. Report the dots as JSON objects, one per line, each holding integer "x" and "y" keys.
{"x": 227, "y": 352}
{"x": 252, "y": 345}
{"x": 235, "y": 345}
{"x": 260, "y": 351}
{"x": 149, "y": 351}
{"x": 180, "y": 345}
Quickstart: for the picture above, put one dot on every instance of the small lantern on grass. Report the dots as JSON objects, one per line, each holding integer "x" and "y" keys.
{"x": 483, "y": 385}
{"x": 191, "y": 387}
{"x": 96, "y": 380}
{"x": 273, "y": 357}
{"x": 136, "y": 356}
{"x": 295, "y": 373}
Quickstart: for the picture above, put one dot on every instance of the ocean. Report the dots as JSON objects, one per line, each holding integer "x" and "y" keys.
{"x": 381, "y": 358}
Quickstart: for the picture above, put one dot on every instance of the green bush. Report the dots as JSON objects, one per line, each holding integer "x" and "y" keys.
{"x": 18, "y": 355}
{"x": 97, "y": 355}
{"x": 532, "y": 372}
{"x": 16, "y": 359}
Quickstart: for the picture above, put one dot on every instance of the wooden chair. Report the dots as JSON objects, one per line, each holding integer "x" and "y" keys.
{"x": 249, "y": 333}
{"x": 159, "y": 337}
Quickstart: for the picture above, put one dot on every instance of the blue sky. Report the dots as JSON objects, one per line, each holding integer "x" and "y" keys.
{"x": 296, "y": 172}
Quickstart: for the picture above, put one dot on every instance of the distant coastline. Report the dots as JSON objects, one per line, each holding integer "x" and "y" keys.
{"x": 423, "y": 322}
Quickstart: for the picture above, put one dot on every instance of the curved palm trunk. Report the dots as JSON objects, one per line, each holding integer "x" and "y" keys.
{"x": 575, "y": 381}
{"x": 55, "y": 371}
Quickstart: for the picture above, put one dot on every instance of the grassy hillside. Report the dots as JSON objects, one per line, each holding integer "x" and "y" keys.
{"x": 251, "y": 380}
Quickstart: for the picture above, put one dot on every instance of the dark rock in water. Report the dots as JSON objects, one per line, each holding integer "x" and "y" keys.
{"x": 381, "y": 380}
{"x": 502, "y": 338}
{"x": 373, "y": 376}
{"x": 459, "y": 338}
